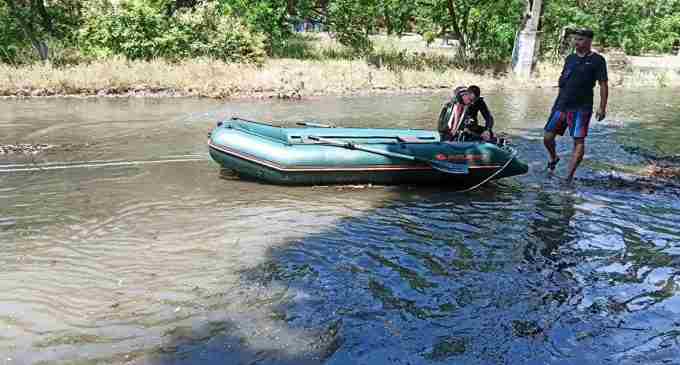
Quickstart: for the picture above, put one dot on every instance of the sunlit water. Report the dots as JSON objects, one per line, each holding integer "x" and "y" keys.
{"x": 126, "y": 244}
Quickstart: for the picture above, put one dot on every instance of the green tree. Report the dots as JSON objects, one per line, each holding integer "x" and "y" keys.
{"x": 635, "y": 25}
{"x": 397, "y": 15}
{"x": 350, "y": 21}
{"x": 35, "y": 22}
{"x": 139, "y": 30}
{"x": 485, "y": 29}
{"x": 269, "y": 17}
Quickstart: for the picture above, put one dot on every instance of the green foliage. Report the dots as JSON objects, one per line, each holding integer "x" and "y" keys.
{"x": 297, "y": 46}
{"x": 352, "y": 22}
{"x": 662, "y": 33}
{"x": 268, "y": 17}
{"x": 27, "y": 24}
{"x": 429, "y": 37}
{"x": 133, "y": 29}
{"x": 485, "y": 30}
{"x": 137, "y": 30}
{"x": 402, "y": 60}
{"x": 241, "y": 30}
{"x": 491, "y": 30}
{"x": 637, "y": 26}
{"x": 11, "y": 40}
{"x": 396, "y": 15}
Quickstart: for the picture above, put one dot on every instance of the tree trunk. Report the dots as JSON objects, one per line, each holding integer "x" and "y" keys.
{"x": 526, "y": 44}
{"x": 290, "y": 7}
{"x": 462, "y": 44}
{"x": 39, "y": 7}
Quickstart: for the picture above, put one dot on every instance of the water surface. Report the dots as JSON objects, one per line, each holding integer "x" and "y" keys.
{"x": 126, "y": 244}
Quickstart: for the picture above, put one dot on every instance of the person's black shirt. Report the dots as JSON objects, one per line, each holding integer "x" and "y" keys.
{"x": 578, "y": 79}
{"x": 479, "y": 106}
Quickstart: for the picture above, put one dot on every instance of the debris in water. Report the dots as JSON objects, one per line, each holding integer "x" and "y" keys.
{"x": 662, "y": 171}
{"x": 24, "y": 148}
{"x": 359, "y": 187}
{"x": 447, "y": 347}
{"x": 526, "y": 328}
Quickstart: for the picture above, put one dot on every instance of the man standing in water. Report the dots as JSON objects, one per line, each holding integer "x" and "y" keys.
{"x": 573, "y": 107}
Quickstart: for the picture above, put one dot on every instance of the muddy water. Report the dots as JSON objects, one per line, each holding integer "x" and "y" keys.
{"x": 126, "y": 244}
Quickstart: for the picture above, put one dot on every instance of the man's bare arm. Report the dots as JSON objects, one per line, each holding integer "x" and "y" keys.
{"x": 604, "y": 96}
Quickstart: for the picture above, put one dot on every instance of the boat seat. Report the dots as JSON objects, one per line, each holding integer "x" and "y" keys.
{"x": 293, "y": 139}
{"x": 359, "y": 135}
{"x": 414, "y": 139}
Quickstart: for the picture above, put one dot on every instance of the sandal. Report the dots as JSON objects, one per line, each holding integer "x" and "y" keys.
{"x": 553, "y": 164}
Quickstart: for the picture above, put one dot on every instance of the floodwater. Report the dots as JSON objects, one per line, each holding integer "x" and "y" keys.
{"x": 126, "y": 244}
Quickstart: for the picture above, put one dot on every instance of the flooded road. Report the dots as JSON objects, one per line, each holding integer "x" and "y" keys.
{"x": 126, "y": 244}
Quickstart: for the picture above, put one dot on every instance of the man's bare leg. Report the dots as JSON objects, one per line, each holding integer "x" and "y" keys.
{"x": 549, "y": 143}
{"x": 576, "y": 157}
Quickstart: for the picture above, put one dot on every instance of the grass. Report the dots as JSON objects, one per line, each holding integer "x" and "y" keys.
{"x": 216, "y": 79}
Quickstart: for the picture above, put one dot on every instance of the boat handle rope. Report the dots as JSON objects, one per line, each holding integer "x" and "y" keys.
{"x": 513, "y": 155}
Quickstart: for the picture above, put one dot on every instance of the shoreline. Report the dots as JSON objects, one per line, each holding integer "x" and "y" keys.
{"x": 246, "y": 95}
{"x": 153, "y": 93}
{"x": 276, "y": 79}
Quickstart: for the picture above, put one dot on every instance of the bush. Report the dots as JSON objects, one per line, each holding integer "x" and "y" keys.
{"x": 429, "y": 37}
{"x": 297, "y": 46}
{"x": 265, "y": 17}
{"x": 138, "y": 30}
{"x": 11, "y": 41}
{"x": 403, "y": 60}
{"x": 632, "y": 46}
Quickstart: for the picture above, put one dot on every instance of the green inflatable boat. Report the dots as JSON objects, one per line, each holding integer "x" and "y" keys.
{"x": 314, "y": 154}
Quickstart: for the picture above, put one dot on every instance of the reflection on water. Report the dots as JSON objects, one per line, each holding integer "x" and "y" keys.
{"x": 108, "y": 259}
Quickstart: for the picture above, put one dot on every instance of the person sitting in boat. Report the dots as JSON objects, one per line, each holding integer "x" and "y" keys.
{"x": 472, "y": 130}
{"x": 453, "y": 113}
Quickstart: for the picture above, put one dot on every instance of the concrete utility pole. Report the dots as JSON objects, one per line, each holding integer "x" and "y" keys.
{"x": 527, "y": 41}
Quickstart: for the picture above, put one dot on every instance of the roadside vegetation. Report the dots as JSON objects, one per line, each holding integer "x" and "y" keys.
{"x": 222, "y": 48}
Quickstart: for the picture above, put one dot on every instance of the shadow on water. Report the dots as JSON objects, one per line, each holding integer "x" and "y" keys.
{"x": 520, "y": 271}
{"x": 214, "y": 343}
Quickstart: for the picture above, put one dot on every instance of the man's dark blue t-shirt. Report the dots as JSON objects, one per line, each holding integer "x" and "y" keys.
{"x": 578, "y": 80}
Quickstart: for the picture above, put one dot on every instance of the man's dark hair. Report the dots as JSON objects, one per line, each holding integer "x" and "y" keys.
{"x": 584, "y": 32}
{"x": 475, "y": 90}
